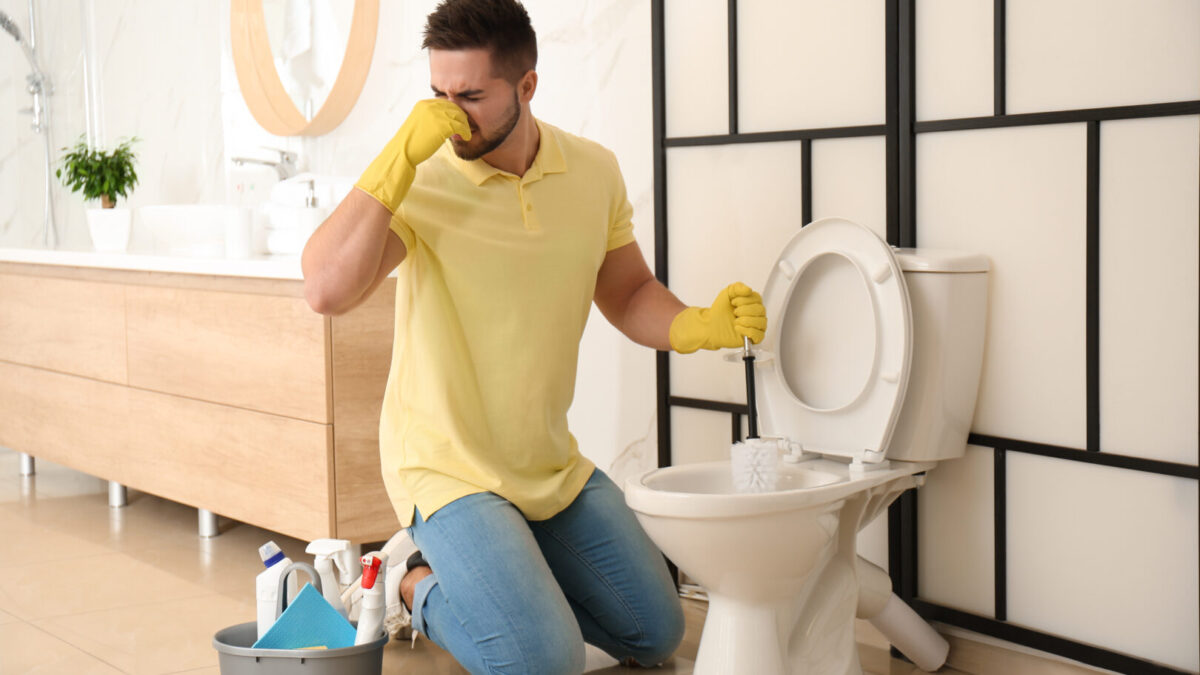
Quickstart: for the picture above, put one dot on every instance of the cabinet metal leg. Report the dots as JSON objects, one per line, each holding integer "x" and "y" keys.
{"x": 118, "y": 496}
{"x": 208, "y": 523}
{"x": 27, "y": 464}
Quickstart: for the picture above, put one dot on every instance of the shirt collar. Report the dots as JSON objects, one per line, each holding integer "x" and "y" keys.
{"x": 549, "y": 159}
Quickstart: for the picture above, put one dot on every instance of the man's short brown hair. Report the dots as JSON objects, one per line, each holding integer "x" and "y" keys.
{"x": 500, "y": 26}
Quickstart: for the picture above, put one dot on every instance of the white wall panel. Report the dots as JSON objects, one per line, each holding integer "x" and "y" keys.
{"x": 850, "y": 180}
{"x": 1105, "y": 556}
{"x": 954, "y": 59}
{"x": 810, "y": 63}
{"x": 1149, "y": 266}
{"x": 1067, "y": 54}
{"x": 699, "y": 436}
{"x": 956, "y": 520}
{"x": 730, "y": 211}
{"x": 696, "y": 54}
{"x": 1018, "y": 196}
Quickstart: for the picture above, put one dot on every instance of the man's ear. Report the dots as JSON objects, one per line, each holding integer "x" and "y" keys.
{"x": 527, "y": 86}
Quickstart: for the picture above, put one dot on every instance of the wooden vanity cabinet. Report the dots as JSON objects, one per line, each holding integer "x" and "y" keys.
{"x": 224, "y": 393}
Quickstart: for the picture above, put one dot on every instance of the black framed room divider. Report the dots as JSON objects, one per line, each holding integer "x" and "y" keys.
{"x": 900, "y": 131}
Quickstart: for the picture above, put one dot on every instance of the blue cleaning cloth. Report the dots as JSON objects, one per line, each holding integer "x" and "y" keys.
{"x": 310, "y": 621}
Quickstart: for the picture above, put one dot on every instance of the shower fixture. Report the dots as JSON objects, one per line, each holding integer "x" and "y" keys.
{"x": 38, "y": 85}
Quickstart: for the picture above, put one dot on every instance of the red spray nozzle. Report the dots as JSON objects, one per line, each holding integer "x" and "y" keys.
{"x": 370, "y": 563}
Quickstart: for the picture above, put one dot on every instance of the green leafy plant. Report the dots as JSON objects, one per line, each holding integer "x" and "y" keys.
{"x": 99, "y": 174}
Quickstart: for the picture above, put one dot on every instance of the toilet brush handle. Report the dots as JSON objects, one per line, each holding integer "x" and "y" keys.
{"x": 752, "y": 413}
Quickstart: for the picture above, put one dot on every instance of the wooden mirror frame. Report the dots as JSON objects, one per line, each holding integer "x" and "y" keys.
{"x": 268, "y": 101}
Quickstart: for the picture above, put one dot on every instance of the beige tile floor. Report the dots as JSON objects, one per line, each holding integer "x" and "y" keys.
{"x": 89, "y": 589}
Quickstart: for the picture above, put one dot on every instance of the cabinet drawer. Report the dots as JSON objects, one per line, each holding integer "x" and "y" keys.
{"x": 262, "y": 352}
{"x": 274, "y": 472}
{"x": 64, "y": 325}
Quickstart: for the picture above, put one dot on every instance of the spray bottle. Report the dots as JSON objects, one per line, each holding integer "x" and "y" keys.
{"x": 327, "y": 553}
{"x": 266, "y": 584}
{"x": 370, "y": 618}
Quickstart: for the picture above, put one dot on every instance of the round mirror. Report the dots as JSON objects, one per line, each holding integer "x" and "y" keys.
{"x": 301, "y": 64}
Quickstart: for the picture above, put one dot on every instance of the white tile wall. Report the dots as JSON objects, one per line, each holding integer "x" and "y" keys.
{"x": 732, "y": 208}
{"x": 850, "y": 180}
{"x": 700, "y": 436}
{"x": 1104, "y": 556}
{"x": 954, "y": 59}
{"x": 1017, "y": 195}
{"x": 1067, "y": 54}
{"x": 807, "y": 64}
{"x": 1149, "y": 266}
{"x": 695, "y": 47}
{"x": 956, "y": 546}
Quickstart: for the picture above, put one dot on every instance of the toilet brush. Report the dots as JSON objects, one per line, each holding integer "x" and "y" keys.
{"x": 753, "y": 462}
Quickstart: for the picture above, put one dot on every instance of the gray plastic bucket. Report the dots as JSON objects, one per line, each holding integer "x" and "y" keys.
{"x": 238, "y": 657}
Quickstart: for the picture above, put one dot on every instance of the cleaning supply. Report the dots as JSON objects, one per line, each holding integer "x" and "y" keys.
{"x": 430, "y": 123}
{"x": 370, "y": 618}
{"x": 267, "y": 584}
{"x": 754, "y": 462}
{"x": 328, "y": 553}
{"x": 737, "y": 312}
{"x": 308, "y": 622}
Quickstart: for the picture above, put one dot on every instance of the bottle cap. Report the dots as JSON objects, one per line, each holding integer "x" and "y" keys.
{"x": 370, "y": 563}
{"x": 270, "y": 553}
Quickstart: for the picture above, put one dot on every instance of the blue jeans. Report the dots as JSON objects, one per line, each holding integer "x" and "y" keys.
{"x": 510, "y": 595}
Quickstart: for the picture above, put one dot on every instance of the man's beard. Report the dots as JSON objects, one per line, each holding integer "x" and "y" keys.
{"x": 465, "y": 150}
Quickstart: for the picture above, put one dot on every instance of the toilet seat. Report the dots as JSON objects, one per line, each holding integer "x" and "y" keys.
{"x": 838, "y": 343}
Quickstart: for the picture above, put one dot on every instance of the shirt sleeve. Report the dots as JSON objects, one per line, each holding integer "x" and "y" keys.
{"x": 620, "y": 226}
{"x": 403, "y": 229}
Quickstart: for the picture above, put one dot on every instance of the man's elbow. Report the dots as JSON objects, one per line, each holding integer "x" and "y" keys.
{"x": 322, "y": 301}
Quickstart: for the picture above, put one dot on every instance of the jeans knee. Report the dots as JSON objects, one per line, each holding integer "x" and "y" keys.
{"x": 661, "y": 637}
{"x": 552, "y": 654}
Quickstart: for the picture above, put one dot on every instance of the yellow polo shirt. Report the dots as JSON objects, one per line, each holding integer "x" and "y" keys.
{"x": 491, "y": 303}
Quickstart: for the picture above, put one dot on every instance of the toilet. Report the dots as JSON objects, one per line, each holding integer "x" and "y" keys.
{"x": 866, "y": 379}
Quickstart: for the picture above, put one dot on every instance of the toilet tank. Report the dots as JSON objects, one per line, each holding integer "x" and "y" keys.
{"x": 948, "y": 292}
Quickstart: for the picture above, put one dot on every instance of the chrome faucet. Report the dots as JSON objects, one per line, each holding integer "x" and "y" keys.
{"x": 285, "y": 167}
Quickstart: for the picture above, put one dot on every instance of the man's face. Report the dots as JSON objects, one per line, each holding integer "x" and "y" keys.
{"x": 492, "y": 104}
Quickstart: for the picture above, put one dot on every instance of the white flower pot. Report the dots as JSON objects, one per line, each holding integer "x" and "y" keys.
{"x": 109, "y": 228}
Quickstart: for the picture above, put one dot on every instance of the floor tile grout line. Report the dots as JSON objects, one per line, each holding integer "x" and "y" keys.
{"x": 74, "y": 646}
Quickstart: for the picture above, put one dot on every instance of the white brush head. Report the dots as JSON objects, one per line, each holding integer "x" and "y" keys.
{"x": 755, "y": 465}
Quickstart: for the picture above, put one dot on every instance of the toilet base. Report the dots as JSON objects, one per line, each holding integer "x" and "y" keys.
{"x": 744, "y": 637}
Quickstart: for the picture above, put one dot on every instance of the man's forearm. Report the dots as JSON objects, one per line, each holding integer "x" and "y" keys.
{"x": 648, "y": 315}
{"x": 342, "y": 257}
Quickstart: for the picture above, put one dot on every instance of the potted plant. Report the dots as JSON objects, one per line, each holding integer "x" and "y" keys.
{"x": 104, "y": 176}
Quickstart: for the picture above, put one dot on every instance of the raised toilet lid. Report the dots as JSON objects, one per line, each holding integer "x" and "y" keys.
{"x": 840, "y": 329}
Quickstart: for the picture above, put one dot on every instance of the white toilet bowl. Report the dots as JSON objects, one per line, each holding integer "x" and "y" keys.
{"x": 783, "y": 577}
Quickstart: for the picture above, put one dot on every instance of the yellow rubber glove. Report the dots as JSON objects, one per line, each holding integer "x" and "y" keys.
{"x": 428, "y": 126}
{"x": 738, "y": 311}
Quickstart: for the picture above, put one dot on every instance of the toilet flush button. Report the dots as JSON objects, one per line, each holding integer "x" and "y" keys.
{"x": 788, "y": 270}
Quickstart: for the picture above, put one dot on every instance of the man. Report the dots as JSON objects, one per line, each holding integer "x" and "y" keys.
{"x": 504, "y": 235}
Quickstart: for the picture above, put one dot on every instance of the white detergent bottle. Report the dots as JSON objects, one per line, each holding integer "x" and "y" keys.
{"x": 266, "y": 584}
{"x": 370, "y": 618}
{"x": 326, "y": 553}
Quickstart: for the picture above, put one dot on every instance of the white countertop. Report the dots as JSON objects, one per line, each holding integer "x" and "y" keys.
{"x": 259, "y": 266}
